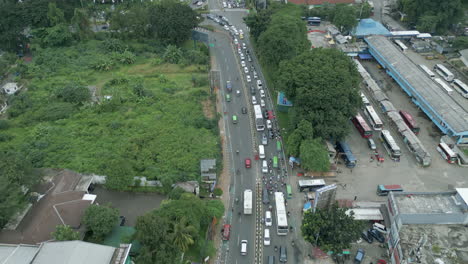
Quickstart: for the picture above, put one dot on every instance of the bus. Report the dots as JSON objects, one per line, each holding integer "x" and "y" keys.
{"x": 275, "y": 162}
{"x": 259, "y": 118}
{"x": 444, "y": 86}
{"x": 383, "y": 190}
{"x": 447, "y": 153}
{"x": 282, "y": 227}
{"x": 390, "y": 145}
{"x": 444, "y": 72}
{"x": 362, "y": 126}
{"x": 410, "y": 122}
{"x": 248, "y": 201}
{"x": 346, "y": 154}
{"x": 278, "y": 145}
{"x": 374, "y": 119}
{"x": 400, "y": 45}
{"x": 461, "y": 87}
{"x": 365, "y": 101}
{"x": 314, "y": 21}
{"x": 427, "y": 71}
{"x": 310, "y": 185}
{"x": 289, "y": 191}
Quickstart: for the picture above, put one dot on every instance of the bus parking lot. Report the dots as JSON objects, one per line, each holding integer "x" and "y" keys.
{"x": 361, "y": 182}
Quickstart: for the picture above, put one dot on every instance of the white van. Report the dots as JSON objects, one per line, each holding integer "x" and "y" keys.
{"x": 264, "y": 166}
{"x": 379, "y": 227}
{"x": 244, "y": 247}
{"x": 254, "y": 100}
{"x": 268, "y": 219}
{"x": 261, "y": 151}
{"x": 266, "y": 237}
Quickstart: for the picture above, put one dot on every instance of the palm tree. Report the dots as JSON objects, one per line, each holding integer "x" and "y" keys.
{"x": 183, "y": 234}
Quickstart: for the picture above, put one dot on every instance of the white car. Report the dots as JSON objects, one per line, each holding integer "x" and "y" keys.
{"x": 244, "y": 46}
{"x": 243, "y": 247}
{"x": 246, "y": 70}
{"x": 268, "y": 219}
{"x": 269, "y": 125}
{"x": 241, "y": 32}
{"x": 259, "y": 84}
{"x": 266, "y": 237}
{"x": 243, "y": 63}
{"x": 239, "y": 50}
{"x": 264, "y": 166}
{"x": 262, "y": 103}
{"x": 224, "y": 4}
{"x": 226, "y": 27}
{"x": 254, "y": 100}
{"x": 262, "y": 93}
{"x": 242, "y": 56}
{"x": 255, "y": 74}
{"x": 236, "y": 41}
{"x": 248, "y": 78}
{"x": 229, "y": 6}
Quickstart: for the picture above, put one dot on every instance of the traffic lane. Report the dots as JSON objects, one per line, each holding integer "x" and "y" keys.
{"x": 244, "y": 145}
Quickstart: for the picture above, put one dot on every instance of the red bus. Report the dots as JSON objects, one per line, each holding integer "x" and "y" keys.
{"x": 362, "y": 126}
{"x": 447, "y": 153}
{"x": 410, "y": 122}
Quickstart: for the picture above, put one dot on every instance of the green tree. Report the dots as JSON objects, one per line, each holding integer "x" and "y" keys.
{"x": 81, "y": 24}
{"x": 11, "y": 200}
{"x": 173, "y": 54}
{"x": 303, "y": 131}
{"x": 74, "y": 93}
{"x": 284, "y": 39}
{"x": 314, "y": 157}
{"x": 427, "y": 23}
{"x": 258, "y": 22}
{"x": 345, "y": 17}
{"x": 131, "y": 22}
{"x": 171, "y": 21}
{"x": 183, "y": 234}
{"x": 119, "y": 174}
{"x": 331, "y": 229}
{"x": 55, "y": 15}
{"x": 65, "y": 233}
{"x": 218, "y": 191}
{"x": 461, "y": 43}
{"x": 324, "y": 86}
{"x": 100, "y": 220}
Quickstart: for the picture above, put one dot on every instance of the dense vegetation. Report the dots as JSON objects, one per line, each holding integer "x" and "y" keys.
{"x": 178, "y": 227}
{"x": 322, "y": 83}
{"x": 433, "y": 16}
{"x": 110, "y": 103}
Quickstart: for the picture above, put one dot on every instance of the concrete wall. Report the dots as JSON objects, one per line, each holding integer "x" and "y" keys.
{"x": 409, "y": 219}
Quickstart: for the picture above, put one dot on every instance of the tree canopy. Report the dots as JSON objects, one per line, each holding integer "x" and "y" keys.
{"x": 100, "y": 220}
{"x": 324, "y": 86}
{"x": 65, "y": 233}
{"x": 331, "y": 229}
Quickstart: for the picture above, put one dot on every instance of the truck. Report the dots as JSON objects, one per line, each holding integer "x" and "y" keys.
{"x": 248, "y": 202}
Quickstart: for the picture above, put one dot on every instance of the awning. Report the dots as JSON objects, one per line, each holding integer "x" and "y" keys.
{"x": 365, "y": 57}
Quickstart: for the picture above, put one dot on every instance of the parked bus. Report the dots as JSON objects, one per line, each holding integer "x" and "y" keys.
{"x": 390, "y": 145}
{"x": 310, "y": 185}
{"x": 447, "y": 153}
{"x": 259, "y": 118}
{"x": 374, "y": 119}
{"x": 383, "y": 190}
{"x": 410, "y": 122}
{"x": 400, "y": 45}
{"x": 461, "y": 87}
{"x": 444, "y": 86}
{"x": 444, "y": 72}
{"x": 365, "y": 101}
{"x": 427, "y": 71}
{"x": 282, "y": 227}
{"x": 347, "y": 155}
{"x": 362, "y": 126}
{"x": 289, "y": 191}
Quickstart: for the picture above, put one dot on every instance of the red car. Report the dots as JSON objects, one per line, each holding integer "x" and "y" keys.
{"x": 270, "y": 115}
{"x": 226, "y": 231}
{"x": 248, "y": 163}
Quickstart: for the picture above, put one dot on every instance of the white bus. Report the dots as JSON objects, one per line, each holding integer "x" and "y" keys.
{"x": 444, "y": 72}
{"x": 374, "y": 119}
{"x": 390, "y": 145}
{"x": 447, "y": 153}
{"x": 259, "y": 118}
{"x": 444, "y": 86}
{"x": 282, "y": 227}
{"x": 365, "y": 101}
{"x": 248, "y": 202}
{"x": 401, "y": 46}
{"x": 461, "y": 87}
{"x": 427, "y": 71}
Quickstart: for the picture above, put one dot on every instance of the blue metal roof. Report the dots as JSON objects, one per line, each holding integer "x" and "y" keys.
{"x": 368, "y": 27}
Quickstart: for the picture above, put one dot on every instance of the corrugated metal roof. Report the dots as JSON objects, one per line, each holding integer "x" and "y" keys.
{"x": 17, "y": 254}
{"x": 74, "y": 252}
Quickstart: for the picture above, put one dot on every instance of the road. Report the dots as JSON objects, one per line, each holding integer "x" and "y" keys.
{"x": 244, "y": 137}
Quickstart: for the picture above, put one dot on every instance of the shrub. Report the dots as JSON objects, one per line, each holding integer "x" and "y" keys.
{"x": 124, "y": 58}
{"x": 114, "y": 45}
{"x": 103, "y": 64}
{"x": 74, "y": 93}
{"x": 218, "y": 192}
{"x": 4, "y": 124}
{"x": 173, "y": 54}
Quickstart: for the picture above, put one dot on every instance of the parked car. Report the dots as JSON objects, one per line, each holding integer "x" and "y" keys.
{"x": 367, "y": 237}
{"x": 226, "y": 231}
{"x": 371, "y": 144}
{"x": 262, "y": 103}
{"x": 377, "y": 235}
{"x": 359, "y": 256}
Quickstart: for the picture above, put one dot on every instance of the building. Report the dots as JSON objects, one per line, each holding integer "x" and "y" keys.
{"x": 64, "y": 252}
{"x": 428, "y": 227}
{"x": 444, "y": 111}
{"x": 368, "y": 26}
{"x": 62, "y": 200}
{"x": 318, "y": 3}
{"x": 208, "y": 170}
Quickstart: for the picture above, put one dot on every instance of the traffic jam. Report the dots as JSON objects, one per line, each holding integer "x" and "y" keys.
{"x": 272, "y": 163}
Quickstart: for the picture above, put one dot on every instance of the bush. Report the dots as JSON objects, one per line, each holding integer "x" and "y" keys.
{"x": 124, "y": 58}
{"x": 55, "y": 111}
{"x": 74, "y": 93}
{"x": 173, "y": 54}
{"x": 198, "y": 81}
{"x": 103, "y": 64}
{"x": 218, "y": 192}
{"x": 4, "y": 124}
{"x": 114, "y": 45}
